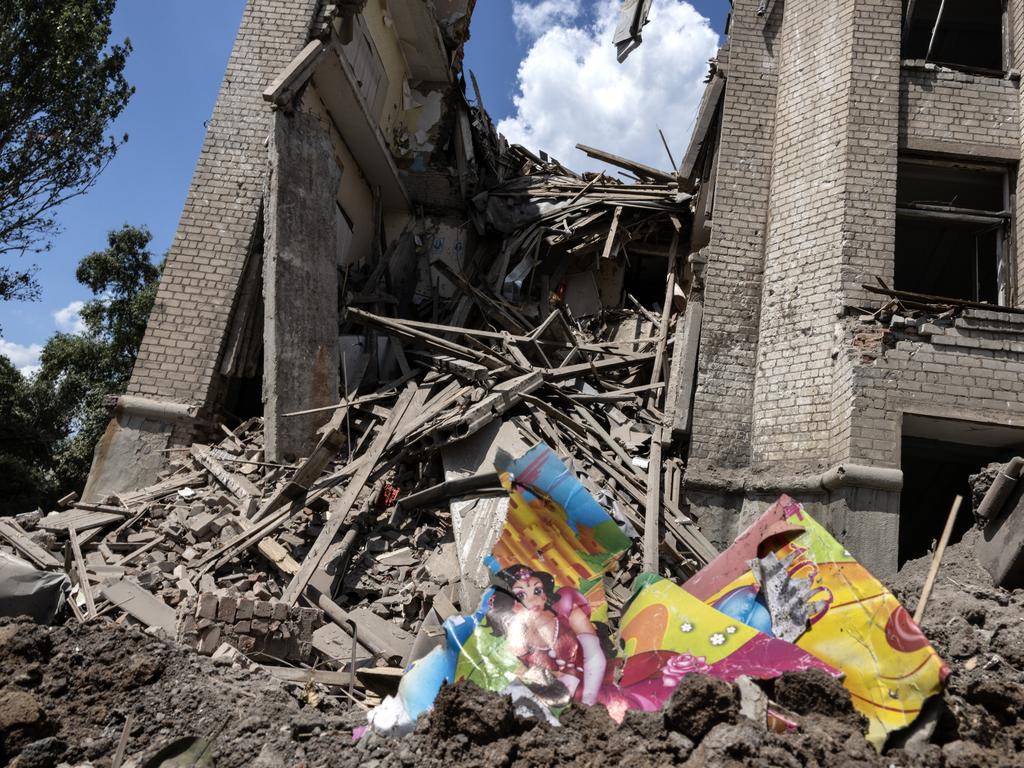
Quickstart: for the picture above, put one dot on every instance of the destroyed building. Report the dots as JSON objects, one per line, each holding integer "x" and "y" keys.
{"x": 397, "y": 366}
{"x": 319, "y": 153}
{"x": 836, "y": 163}
{"x": 858, "y": 204}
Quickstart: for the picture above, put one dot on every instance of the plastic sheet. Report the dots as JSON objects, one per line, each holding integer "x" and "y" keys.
{"x": 27, "y": 591}
{"x": 541, "y": 632}
{"x": 856, "y": 624}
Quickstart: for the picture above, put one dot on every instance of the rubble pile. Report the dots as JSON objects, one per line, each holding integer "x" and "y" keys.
{"x": 70, "y": 694}
{"x": 566, "y": 324}
{"x": 566, "y": 335}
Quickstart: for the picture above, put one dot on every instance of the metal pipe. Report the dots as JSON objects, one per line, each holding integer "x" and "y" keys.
{"x": 1000, "y": 490}
{"x": 159, "y": 410}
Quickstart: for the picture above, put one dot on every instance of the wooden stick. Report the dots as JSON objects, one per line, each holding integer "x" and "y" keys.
{"x": 122, "y": 743}
{"x": 937, "y": 560}
{"x": 652, "y": 508}
{"x": 83, "y": 578}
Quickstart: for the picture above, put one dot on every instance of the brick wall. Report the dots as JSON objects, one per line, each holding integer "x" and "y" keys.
{"x": 1015, "y": 19}
{"x": 959, "y": 113}
{"x": 725, "y": 384}
{"x": 179, "y": 354}
{"x": 831, "y": 214}
{"x": 969, "y": 368}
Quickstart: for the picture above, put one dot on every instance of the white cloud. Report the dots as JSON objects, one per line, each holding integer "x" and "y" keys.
{"x": 25, "y": 358}
{"x": 68, "y": 319}
{"x": 533, "y": 19}
{"x": 572, "y": 90}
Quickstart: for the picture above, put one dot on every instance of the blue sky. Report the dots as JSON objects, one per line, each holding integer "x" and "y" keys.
{"x": 181, "y": 49}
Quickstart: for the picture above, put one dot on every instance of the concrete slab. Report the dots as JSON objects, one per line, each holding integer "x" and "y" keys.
{"x": 300, "y": 284}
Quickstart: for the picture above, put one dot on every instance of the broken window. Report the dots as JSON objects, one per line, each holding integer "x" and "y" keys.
{"x": 951, "y": 231}
{"x": 960, "y": 33}
{"x": 368, "y": 68}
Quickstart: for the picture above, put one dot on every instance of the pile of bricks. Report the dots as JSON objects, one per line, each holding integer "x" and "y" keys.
{"x": 267, "y": 628}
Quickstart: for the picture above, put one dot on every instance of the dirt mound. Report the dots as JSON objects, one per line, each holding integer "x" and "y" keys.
{"x": 66, "y": 692}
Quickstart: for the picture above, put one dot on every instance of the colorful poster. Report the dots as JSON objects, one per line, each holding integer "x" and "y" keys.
{"x": 854, "y": 623}
{"x": 541, "y": 633}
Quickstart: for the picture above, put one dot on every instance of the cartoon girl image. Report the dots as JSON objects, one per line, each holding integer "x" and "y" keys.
{"x": 551, "y": 634}
{"x": 564, "y": 656}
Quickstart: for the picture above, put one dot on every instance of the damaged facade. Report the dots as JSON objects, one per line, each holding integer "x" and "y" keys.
{"x": 411, "y": 396}
{"x": 843, "y": 152}
{"x": 343, "y": 146}
{"x": 338, "y": 128}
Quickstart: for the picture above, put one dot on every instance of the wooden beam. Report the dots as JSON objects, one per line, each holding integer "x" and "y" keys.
{"x": 634, "y": 167}
{"x": 340, "y": 510}
{"x": 13, "y": 534}
{"x": 925, "y": 298}
{"x": 83, "y": 577}
{"x": 705, "y": 113}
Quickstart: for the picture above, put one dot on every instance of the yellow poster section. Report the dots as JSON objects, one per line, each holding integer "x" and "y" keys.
{"x": 860, "y": 628}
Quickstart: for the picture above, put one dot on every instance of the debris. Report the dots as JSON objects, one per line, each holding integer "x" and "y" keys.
{"x": 26, "y": 591}
{"x": 1001, "y": 511}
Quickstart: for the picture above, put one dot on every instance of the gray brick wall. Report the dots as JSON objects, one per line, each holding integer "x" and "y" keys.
{"x": 725, "y": 384}
{"x": 970, "y": 369}
{"x": 831, "y": 215}
{"x": 179, "y": 354}
{"x": 955, "y": 111}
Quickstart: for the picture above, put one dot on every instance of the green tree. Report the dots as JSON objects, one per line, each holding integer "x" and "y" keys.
{"x": 50, "y": 424}
{"x": 61, "y": 86}
{"x": 25, "y": 442}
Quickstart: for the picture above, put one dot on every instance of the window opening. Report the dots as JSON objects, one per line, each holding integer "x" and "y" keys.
{"x": 958, "y": 33}
{"x": 952, "y": 224}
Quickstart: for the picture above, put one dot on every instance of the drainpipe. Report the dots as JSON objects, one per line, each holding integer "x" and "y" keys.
{"x": 862, "y": 476}
{"x": 839, "y": 476}
{"x": 158, "y": 410}
{"x": 1001, "y": 489}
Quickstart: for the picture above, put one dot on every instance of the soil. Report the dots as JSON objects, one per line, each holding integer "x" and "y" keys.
{"x": 65, "y": 694}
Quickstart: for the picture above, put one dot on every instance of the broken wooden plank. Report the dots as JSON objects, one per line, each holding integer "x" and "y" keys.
{"x": 275, "y": 552}
{"x": 79, "y": 519}
{"x": 305, "y": 676}
{"x": 14, "y": 535}
{"x": 140, "y": 604}
{"x": 683, "y": 371}
{"x": 339, "y": 512}
{"x": 83, "y": 578}
{"x": 630, "y": 165}
{"x": 652, "y": 510}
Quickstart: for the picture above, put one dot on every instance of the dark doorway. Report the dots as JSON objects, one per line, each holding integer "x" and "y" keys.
{"x": 939, "y": 455}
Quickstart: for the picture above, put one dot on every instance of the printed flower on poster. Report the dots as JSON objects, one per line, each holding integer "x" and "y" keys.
{"x": 717, "y": 639}
{"x": 686, "y": 627}
{"x": 684, "y": 663}
{"x": 730, "y": 630}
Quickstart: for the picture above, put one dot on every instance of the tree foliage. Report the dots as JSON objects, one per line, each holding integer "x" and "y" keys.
{"x": 61, "y": 86}
{"x": 59, "y": 415}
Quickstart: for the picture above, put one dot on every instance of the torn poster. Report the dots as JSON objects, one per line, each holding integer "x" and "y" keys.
{"x": 855, "y": 623}
{"x": 541, "y": 632}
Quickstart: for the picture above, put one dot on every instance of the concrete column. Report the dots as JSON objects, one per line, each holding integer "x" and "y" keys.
{"x": 300, "y": 284}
